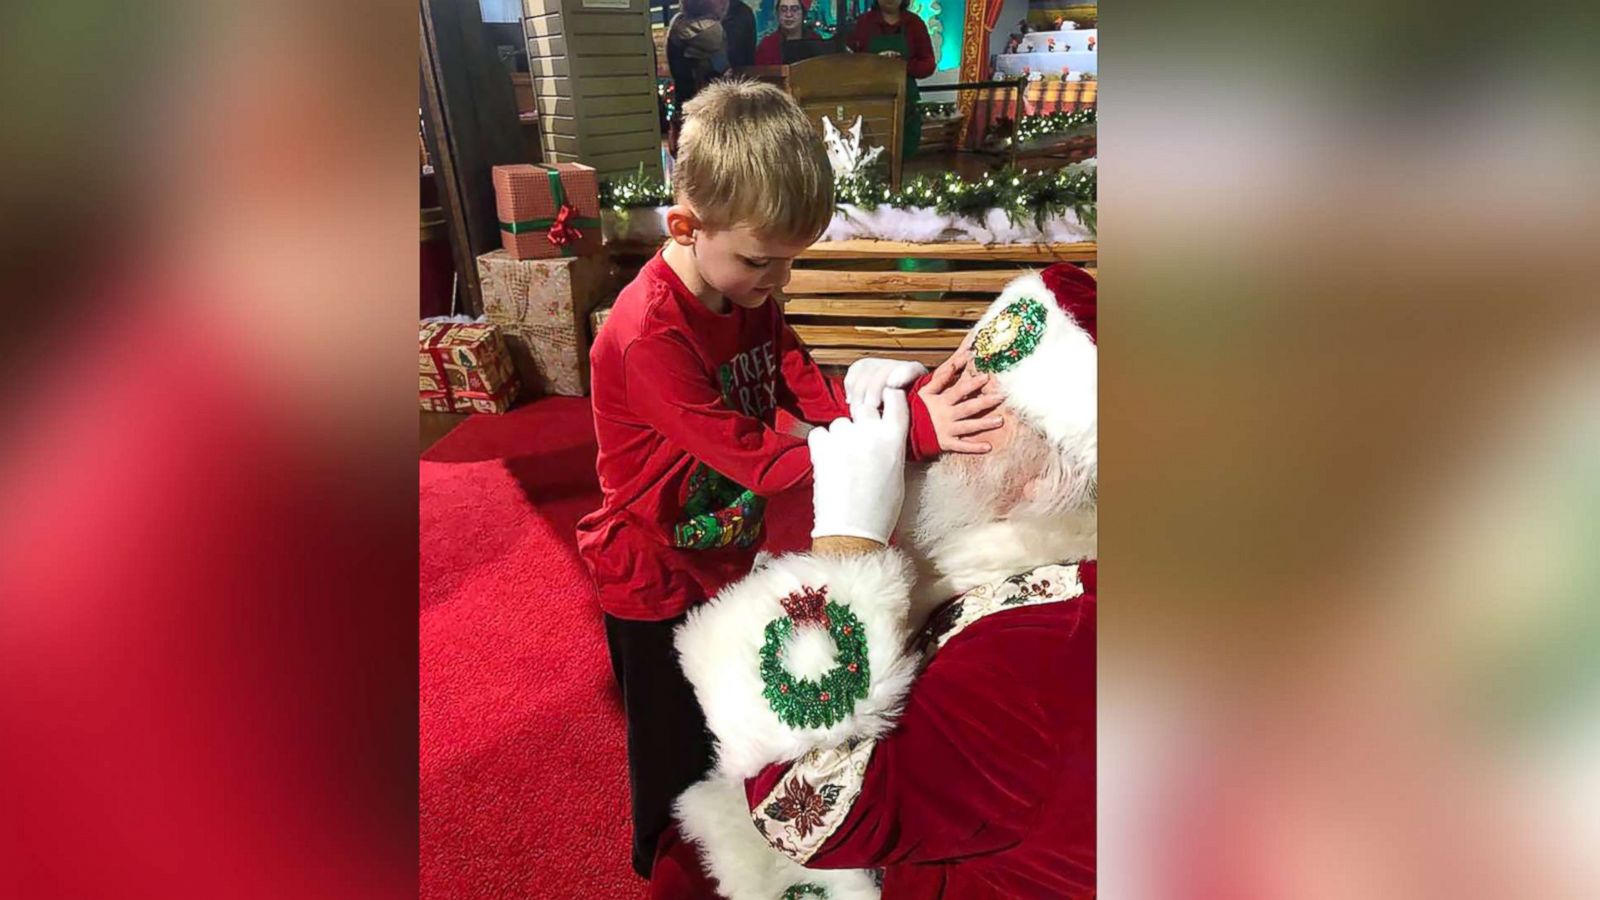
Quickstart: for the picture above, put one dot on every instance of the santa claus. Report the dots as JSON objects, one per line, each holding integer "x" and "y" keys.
{"x": 916, "y": 721}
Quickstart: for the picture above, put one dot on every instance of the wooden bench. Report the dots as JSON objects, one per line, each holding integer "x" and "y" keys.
{"x": 850, "y": 299}
{"x": 940, "y": 135}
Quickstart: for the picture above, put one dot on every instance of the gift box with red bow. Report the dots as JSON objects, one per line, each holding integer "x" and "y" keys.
{"x": 548, "y": 211}
{"x": 464, "y": 367}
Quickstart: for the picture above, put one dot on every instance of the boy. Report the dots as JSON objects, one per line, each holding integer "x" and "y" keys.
{"x": 688, "y": 375}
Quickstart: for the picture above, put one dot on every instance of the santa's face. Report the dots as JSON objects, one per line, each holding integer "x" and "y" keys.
{"x": 960, "y": 490}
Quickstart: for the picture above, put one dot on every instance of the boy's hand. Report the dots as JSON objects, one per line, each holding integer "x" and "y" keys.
{"x": 959, "y": 405}
{"x": 866, "y": 379}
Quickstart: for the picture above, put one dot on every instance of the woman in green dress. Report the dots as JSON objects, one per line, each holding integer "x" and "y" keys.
{"x": 889, "y": 29}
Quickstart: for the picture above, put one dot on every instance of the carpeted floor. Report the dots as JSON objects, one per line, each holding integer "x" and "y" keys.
{"x": 523, "y": 766}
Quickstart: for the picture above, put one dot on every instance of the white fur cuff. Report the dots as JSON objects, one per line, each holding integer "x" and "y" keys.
{"x": 720, "y": 647}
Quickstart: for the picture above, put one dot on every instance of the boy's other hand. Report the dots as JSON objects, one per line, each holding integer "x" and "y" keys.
{"x": 866, "y": 379}
{"x": 960, "y": 405}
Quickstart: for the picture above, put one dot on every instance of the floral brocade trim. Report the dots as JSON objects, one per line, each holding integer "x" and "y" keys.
{"x": 1046, "y": 584}
{"x": 813, "y": 799}
{"x": 720, "y": 513}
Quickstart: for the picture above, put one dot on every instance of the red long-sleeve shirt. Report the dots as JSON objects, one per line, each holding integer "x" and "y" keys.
{"x": 919, "y": 61}
{"x": 685, "y": 403}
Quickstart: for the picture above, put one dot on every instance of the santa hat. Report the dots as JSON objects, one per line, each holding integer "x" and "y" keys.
{"x": 1038, "y": 341}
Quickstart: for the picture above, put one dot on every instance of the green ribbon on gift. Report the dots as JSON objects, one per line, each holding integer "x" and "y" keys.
{"x": 563, "y": 228}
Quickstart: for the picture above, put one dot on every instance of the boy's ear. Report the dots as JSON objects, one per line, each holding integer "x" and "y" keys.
{"x": 682, "y": 223}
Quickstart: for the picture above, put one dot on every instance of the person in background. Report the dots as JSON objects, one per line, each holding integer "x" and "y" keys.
{"x": 889, "y": 29}
{"x": 791, "y": 27}
{"x": 739, "y": 29}
{"x": 696, "y": 54}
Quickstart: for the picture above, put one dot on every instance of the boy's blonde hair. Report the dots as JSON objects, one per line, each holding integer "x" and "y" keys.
{"x": 748, "y": 156}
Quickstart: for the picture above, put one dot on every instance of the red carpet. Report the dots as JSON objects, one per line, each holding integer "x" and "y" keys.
{"x": 524, "y": 786}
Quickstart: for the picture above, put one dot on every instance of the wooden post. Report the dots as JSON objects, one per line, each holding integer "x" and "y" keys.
{"x": 592, "y": 63}
{"x": 974, "y": 53}
{"x": 472, "y": 125}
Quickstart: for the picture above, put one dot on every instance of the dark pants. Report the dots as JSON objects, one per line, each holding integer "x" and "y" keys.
{"x": 668, "y": 745}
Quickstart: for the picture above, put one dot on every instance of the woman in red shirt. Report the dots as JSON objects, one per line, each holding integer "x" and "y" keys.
{"x": 889, "y": 29}
{"x": 791, "y": 27}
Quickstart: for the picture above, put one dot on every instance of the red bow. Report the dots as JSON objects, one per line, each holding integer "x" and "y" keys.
{"x": 563, "y": 232}
{"x": 808, "y": 608}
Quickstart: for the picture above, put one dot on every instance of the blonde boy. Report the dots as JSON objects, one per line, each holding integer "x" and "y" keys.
{"x": 688, "y": 374}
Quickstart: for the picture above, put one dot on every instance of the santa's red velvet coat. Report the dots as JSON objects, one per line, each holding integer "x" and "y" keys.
{"x": 984, "y": 787}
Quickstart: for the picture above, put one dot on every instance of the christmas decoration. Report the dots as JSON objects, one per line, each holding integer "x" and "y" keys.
{"x": 547, "y": 211}
{"x": 1009, "y": 337}
{"x": 822, "y": 702}
{"x": 1051, "y": 124}
{"x": 463, "y": 367}
{"x": 636, "y": 191}
{"x": 845, "y": 153}
{"x": 541, "y": 308}
{"x": 993, "y": 209}
{"x": 720, "y": 512}
{"x": 939, "y": 110}
{"x": 806, "y": 891}
{"x": 668, "y": 95}
{"x": 1020, "y": 194}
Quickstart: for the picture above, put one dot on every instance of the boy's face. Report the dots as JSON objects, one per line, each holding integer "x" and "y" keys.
{"x": 743, "y": 266}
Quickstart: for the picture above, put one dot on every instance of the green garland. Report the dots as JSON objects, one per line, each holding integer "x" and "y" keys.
{"x": 635, "y": 191}
{"x": 1023, "y": 195}
{"x": 1057, "y": 123}
{"x": 939, "y": 110}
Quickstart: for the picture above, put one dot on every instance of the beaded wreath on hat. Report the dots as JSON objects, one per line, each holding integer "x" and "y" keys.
{"x": 1010, "y": 336}
{"x": 806, "y": 891}
{"x": 815, "y": 702}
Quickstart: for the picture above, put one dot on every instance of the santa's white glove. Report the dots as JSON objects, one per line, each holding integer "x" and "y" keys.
{"x": 864, "y": 383}
{"x": 859, "y": 471}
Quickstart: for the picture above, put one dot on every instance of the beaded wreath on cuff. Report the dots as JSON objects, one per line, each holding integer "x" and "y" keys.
{"x": 820, "y": 702}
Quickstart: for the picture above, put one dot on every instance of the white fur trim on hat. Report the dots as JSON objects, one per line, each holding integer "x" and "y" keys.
{"x": 1055, "y": 385}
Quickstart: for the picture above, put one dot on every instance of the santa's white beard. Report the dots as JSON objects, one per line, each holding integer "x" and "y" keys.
{"x": 968, "y": 517}
{"x": 1026, "y": 479}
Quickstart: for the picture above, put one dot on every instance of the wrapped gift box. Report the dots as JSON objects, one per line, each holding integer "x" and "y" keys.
{"x": 542, "y": 307}
{"x": 548, "y": 211}
{"x": 596, "y": 319}
{"x": 464, "y": 368}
